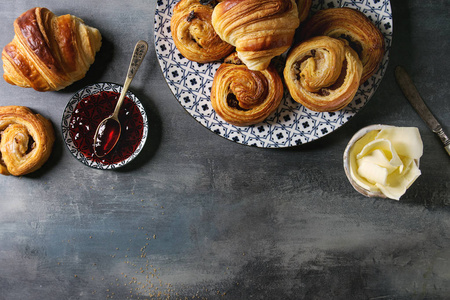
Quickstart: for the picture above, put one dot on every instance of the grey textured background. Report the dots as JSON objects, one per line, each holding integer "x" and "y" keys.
{"x": 198, "y": 216}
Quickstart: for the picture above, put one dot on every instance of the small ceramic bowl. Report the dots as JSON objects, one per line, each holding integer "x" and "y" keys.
{"x": 362, "y": 132}
{"x": 346, "y": 158}
{"x": 87, "y": 108}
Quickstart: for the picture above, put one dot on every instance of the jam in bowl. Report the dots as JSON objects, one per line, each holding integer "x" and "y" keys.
{"x": 84, "y": 112}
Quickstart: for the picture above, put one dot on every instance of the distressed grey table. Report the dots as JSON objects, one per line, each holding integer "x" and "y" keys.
{"x": 197, "y": 216}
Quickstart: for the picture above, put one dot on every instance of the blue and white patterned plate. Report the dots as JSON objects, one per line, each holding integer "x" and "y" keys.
{"x": 291, "y": 124}
{"x": 67, "y": 116}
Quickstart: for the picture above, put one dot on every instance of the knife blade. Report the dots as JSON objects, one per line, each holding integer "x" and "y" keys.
{"x": 412, "y": 94}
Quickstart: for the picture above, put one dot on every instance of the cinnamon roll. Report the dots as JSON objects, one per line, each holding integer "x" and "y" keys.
{"x": 260, "y": 29}
{"x": 193, "y": 33}
{"x": 346, "y": 23}
{"x": 244, "y": 97}
{"x": 26, "y": 140}
{"x": 323, "y": 73}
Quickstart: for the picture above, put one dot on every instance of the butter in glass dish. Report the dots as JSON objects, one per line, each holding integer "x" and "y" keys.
{"x": 383, "y": 161}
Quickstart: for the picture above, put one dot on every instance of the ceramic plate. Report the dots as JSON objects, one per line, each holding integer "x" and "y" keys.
{"x": 291, "y": 124}
{"x": 114, "y": 159}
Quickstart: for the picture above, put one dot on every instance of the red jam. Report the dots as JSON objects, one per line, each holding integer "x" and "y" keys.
{"x": 93, "y": 109}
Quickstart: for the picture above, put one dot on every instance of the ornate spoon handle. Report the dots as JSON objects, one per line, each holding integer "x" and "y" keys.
{"x": 138, "y": 56}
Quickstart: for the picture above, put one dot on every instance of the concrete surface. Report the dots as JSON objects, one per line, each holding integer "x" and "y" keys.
{"x": 197, "y": 216}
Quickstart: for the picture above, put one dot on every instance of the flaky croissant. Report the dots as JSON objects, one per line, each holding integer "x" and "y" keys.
{"x": 49, "y": 52}
{"x": 347, "y": 23}
{"x": 26, "y": 140}
{"x": 304, "y": 7}
{"x": 244, "y": 97}
{"x": 193, "y": 33}
{"x": 323, "y": 73}
{"x": 259, "y": 29}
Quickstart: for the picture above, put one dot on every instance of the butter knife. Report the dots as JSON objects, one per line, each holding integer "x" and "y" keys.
{"x": 413, "y": 96}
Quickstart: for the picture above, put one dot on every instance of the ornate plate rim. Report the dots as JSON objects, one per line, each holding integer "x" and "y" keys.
{"x": 67, "y": 114}
{"x": 275, "y": 126}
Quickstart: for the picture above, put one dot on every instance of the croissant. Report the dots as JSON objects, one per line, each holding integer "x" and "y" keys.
{"x": 352, "y": 25}
{"x": 323, "y": 73}
{"x": 193, "y": 33}
{"x": 244, "y": 97}
{"x": 48, "y": 52}
{"x": 26, "y": 140}
{"x": 303, "y": 9}
{"x": 259, "y": 29}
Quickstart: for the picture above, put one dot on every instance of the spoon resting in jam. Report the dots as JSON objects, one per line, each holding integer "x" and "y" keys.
{"x": 108, "y": 131}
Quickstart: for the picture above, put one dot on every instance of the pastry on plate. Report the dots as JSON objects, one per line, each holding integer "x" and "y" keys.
{"x": 244, "y": 97}
{"x": 49, "y": 52}
{"x": 26, "y": 140}
{"x": 193, "y": 33}
{"x": 259, "y": 29}
{"x": 349, "y": 24}
{"x": 304, "y": 7}
{"x": 323, "y": 73}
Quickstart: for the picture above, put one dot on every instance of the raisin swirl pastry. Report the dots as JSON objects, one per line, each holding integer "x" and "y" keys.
{"x": 26, "y": 140}
{"x": 259, "y": 29}
{"x": 193, "y": 33}
{"x": 49, "y": 52}
{"x": 347, "y": 23}
{"x": 323, "y": 73}
{"x": 244, "y": 97}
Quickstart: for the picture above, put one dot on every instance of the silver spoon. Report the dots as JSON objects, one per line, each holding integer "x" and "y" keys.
{"x": 108, "y": 131}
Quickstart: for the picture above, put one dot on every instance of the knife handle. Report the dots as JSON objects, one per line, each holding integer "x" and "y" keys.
{"x": 444, "y": 138}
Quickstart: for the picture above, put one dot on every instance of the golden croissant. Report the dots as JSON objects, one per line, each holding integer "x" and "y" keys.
{"x": 244, "y": 97}
{"x": 304, "y": 7}
{"x": 259, "y": 29}
{"x": 323, "y": 73}
{"x": 193, "y": 33}
{"x": 347, "y": 23}
{"x": 26, "y": 140}
{"x": 49, "y": 52}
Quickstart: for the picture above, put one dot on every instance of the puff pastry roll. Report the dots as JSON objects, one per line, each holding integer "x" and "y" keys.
{"x": 244, "y": 97}
{"x": 193, "y": 33}
{"x": 352, "y": 25}
{"x": 49, "y": 52}
{"x": 26, "y": 140}
{"x": 259, "y": 29}
{"x": 323, "y": 73}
